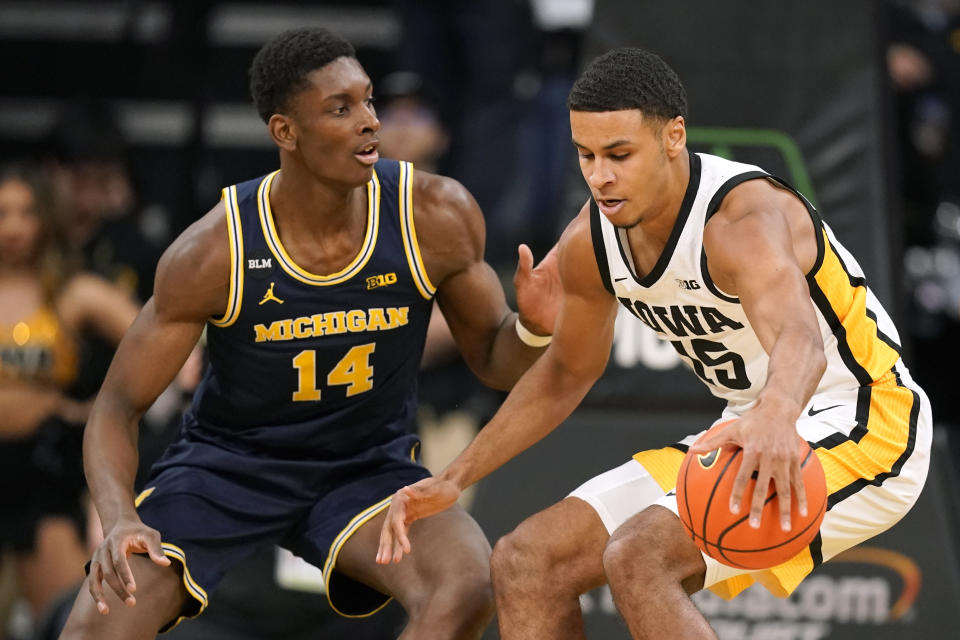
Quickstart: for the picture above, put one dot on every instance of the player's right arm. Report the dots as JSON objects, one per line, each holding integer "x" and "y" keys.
{"x": 192, "y": 285}
{"x": 543, "y": 397}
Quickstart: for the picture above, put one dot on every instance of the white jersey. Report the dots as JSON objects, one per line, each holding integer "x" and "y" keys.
{"x": 709, "y": 328}
{"x": 867, "y": 422}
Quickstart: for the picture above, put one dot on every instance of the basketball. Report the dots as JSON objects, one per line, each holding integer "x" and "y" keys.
{"x": 703, "y": 498}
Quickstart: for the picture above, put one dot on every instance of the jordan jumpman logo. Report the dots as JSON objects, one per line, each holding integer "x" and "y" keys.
{"x": 269, "y": 296}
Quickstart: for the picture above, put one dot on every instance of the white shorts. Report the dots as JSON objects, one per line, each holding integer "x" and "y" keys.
{"x": 875, "y": 468}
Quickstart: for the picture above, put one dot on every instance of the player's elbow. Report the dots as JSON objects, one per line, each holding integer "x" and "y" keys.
{"x": 572, "y": 376}
{"x": 819, "y": 362}
{"x": 816, "y": 350}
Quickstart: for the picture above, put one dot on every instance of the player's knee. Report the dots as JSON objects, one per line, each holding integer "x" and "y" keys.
{"x": 652, "y": 547}
{"x": 515, "y": 558}
{"x": 461, "y": 606}
{"x": 626, "y": 556}
{"x": 471, "y": 604}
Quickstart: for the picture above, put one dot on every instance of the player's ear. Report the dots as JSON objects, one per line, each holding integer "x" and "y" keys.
{"x": 283, "y": 131}
{"x": 674, "y": 138}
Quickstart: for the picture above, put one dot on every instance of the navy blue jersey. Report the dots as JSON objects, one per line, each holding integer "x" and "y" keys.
{"x": 305, "y": 365}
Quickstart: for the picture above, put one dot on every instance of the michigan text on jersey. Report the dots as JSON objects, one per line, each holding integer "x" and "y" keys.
{"x": 331, "y": 323}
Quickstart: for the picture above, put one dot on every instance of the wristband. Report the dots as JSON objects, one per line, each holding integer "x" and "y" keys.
{"x": 529, "y": 338}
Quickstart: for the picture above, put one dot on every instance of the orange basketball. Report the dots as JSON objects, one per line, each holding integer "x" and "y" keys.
{"x": 703, "y": 498}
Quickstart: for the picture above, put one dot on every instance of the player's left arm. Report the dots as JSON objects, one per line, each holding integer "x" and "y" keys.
{"x": 451, "y": 233}
{"x": 758, "y": 247}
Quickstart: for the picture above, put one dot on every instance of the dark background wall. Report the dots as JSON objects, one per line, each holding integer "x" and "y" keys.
{"x": 799, "y": 88}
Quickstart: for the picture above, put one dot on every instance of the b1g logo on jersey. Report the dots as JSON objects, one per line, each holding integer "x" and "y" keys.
{"x": 689, "y": 285}
{"x": 382, "y": 280}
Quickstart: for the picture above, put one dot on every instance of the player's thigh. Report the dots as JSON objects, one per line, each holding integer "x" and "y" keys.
{"x": 447, "y": 547}
{"x": 653, "y": 546}
{"x": 160, "y": 597}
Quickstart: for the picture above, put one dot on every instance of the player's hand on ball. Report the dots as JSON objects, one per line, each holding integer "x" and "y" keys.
{"x": 539, "y": 292}
{"x": 109, "y": 562}
{"x": 769, "y": 450}
{"x": 411, "y": 503}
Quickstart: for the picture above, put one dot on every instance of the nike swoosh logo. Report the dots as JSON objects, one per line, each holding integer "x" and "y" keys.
{"x": 813, "y": 412}
{"x": 619, "y": 279}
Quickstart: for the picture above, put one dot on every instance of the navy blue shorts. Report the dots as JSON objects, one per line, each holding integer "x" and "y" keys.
{"x": 214, "y": 507}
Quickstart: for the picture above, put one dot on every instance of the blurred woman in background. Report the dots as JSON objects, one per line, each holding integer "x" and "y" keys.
{"x": 45, "y": 305}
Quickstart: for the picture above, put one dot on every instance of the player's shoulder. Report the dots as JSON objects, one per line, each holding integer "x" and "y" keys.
{"x": 577, "y": 257}
{"x": 444, "y": 201}
{"x": 194, "y": 271}
{"x": 753, "y": 221}
{"x": 449, "y": 224}
{"x": 751, "y": 199}
{"x": 577, "y": 238}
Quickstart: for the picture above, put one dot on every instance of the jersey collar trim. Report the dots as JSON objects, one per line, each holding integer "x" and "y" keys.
{"x": 693, "y": 186}
{"x": 297, "y": 272}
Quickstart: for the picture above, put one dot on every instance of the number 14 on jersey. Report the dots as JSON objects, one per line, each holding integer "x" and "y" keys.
{"x": 354, "y": 370}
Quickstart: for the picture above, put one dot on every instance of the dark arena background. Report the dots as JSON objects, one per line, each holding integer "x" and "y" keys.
{"x": 855, "y": 103}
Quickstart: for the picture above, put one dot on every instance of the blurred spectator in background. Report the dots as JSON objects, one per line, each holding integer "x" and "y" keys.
{"x": 923, "y": 59}
{"x": 473, "y": 57}
{"x": 118, "y": 237}
{"x": 114, "y": 234}
{"x": 500, "y": 71}
{"x": 495, "y": 73}
{"x": 410, "y": 122}
{"x": 44, "y": 305}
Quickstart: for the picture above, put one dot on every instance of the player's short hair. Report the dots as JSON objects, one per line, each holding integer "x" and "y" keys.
{"x": 629, "y": 78}
{"x": 279, "y": 70}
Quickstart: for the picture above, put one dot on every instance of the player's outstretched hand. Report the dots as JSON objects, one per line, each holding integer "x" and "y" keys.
{"x": 411, "y": 503}
{"x": 770, "y": 451}
{"x": 109, "y": 563}
{"x": 539, "y": 292}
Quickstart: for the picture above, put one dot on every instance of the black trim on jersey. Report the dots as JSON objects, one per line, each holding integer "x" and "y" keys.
{"x": 858, "y": 281}
{"x": 864, "y": 395}
{"x": 693, "y": 185}
{"x": 818, "y": 228}
{"x": 896, "y": 375}
{"x": 855, "y": 281}
{"x": 596, "y": 234}
{"x": 857, "y": 433}
{"x": 816, "y": 551}
{"x": 727, "y": 187}
{"x": 683, "y": 448}
{"x": 715, "y": 203}
{"x": 814, "y": 214}
{"x": 707, "y": 280}
{"x": 823, "y": 304}
{"x": 880, "y": 334}
{"x": 712, "y": 208}
{"x": 854, "y": 487}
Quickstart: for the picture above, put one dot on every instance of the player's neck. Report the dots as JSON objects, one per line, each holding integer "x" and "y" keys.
{"x": 313, "y": 206}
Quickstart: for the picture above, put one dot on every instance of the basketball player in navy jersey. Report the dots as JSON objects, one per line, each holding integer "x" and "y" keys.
{"x": 315, "y": 284}
{"x": 766, "y": 307}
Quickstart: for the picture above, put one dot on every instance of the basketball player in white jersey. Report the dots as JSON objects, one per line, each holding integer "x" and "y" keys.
{"x": 758, "y": 297}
